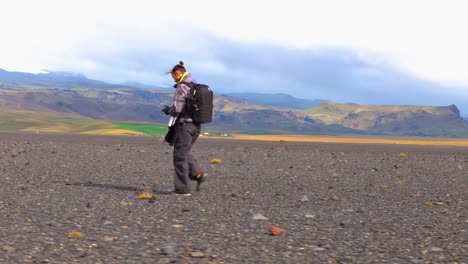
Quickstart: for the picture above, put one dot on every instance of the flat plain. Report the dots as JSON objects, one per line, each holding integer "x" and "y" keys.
{"x": 73, "y": 199}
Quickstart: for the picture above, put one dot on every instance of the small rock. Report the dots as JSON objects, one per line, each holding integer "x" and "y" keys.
{"x": 429, "y": 203}
{"x": 75, "y": 234}
{"x": 215, "y": 161}
{"x": 168, "y": 250}
{"x": 436, "y": 249}
{"x": 344, "y": 223}
{"x": 197, "y": 254}
{"x": 13, "y": 153}
{"x": 259, "y": 217}
{"x": 108, "y": 238}
{"x": 9, "y": 249}
{"x": 275, "y": 230}
{"x": 318, "y": 248}
{"x": 310, "y": 216}
{"x": 304, "y": 199}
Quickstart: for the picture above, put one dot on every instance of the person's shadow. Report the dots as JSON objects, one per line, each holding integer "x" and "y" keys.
{"x": 118, "y": 187}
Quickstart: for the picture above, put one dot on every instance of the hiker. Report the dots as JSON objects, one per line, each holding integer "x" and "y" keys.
{"x": 186, "y": 132}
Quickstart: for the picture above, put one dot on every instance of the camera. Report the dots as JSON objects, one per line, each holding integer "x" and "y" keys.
{"x": 167, "y": 109}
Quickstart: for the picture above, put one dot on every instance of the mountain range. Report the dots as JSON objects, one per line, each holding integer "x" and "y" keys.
{"x": 277, "y": 99}
{"x": 75, "y": 95}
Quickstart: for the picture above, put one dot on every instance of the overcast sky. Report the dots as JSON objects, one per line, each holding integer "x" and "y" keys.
{"x": 362, "y": 51}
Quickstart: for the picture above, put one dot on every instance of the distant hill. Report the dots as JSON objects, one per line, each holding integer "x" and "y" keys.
{"x": 237, "y": 115}
{"x": 442, "y": 121}
{"x": 141, "y": 85}
{"x": 278, "y": 99}
{"x": 51, "y": 79}
{"x": 75, "y": 96}
{"x": 103, "y": 104}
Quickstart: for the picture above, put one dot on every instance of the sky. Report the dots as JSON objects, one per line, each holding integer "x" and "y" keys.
{"x": 361, "y": 51}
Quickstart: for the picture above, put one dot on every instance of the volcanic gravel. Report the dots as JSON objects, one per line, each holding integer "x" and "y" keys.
{"x": 337, "y": 203}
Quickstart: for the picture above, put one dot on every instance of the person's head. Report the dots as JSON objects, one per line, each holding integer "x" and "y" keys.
{"x": 177, "y": 71}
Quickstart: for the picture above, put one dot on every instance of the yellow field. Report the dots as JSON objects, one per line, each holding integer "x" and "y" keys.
{"x": 50, "y": 129}
{"x": 71, "y": 129}
{"x": 114, "y": 132}
{"x": 371, "y": 140}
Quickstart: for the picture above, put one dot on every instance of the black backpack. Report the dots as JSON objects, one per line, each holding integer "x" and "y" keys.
{"x": 199, "y": 103}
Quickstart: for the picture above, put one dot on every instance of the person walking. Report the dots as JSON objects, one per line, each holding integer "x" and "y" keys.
{"x": 186, "y": 132}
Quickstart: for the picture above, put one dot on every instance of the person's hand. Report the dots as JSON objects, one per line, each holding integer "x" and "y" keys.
{"x": 166, "y": 109}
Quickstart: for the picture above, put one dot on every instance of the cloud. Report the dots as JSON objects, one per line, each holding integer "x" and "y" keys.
{"x": 419, "y": 36}
{"x": 363, "y": 52}
{"x": 341, "y": 75}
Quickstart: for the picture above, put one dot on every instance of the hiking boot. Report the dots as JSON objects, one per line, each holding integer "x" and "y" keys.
{"x": 182, "y": 194}
{"x": 200, "y": 178}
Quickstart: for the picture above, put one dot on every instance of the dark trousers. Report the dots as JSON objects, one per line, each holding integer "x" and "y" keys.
{"x": 185, "y": 165}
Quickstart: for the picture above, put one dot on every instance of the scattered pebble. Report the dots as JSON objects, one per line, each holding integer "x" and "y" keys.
{"x": 322, "y": 201}
{"x": 259, "y": 217}
{"x": 168, "y": 250}
{"x": 436, "y": 249}
{"x": 197, "y": 254}
{"x": 275, "y": 230}
{"x": 9, "y": 249}
{"x": 73, "y": 234}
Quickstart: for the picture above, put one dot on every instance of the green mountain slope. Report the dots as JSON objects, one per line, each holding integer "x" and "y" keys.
{"x": 74, "y": 96}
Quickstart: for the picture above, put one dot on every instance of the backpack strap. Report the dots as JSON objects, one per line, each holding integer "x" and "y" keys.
{"x": 189, "y": 98}
{"x": 189, "y": 84}
{"x": 190, "y": 95}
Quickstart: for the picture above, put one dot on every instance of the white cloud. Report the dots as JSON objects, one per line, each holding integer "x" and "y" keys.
{"x": 423, "y": 37}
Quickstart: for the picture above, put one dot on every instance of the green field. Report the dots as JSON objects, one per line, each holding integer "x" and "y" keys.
{"x": 145, "y": 128}
{"x": 27, "y": 121}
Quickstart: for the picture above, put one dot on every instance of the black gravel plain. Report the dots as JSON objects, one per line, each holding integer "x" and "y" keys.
{"x": 337, "y": 203}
